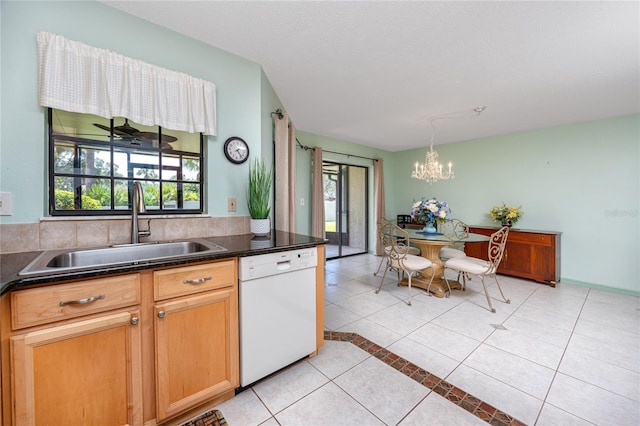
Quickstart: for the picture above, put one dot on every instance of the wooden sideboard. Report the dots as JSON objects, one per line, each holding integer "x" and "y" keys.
{"x": 528, "y": 254}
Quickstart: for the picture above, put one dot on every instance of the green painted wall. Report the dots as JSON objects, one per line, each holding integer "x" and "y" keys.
{"x": 270, "y": 103}
{"x": 579, "y": 179}
{"x": 23, "y": 142}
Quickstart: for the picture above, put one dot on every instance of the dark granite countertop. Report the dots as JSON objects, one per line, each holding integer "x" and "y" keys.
{"x": 236, "y": 245}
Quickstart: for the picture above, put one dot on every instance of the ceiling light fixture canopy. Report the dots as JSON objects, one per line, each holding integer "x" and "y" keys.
{"x": 432, "y": 170}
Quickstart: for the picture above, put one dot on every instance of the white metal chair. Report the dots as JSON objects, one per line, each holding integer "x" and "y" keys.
{"x": 483, "y": 268}
{"x": 455, "y": 230}
{"x": 396, "y": 243}
{"x": 381, "y": 239}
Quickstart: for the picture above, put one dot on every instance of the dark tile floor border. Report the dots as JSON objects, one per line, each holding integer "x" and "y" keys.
{"x": 475, "y": 406}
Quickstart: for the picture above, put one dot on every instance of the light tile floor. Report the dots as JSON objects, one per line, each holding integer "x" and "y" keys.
{"x": 570, "y": 355}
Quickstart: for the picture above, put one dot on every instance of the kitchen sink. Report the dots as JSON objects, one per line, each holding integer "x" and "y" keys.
{"x": 53, "y": 261}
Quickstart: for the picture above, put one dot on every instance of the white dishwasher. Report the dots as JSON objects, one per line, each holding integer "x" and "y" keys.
{"x": 277, "y": 303}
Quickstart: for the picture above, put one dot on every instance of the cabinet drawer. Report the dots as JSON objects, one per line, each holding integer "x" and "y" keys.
{"x": 529, "y": 237}
{"x": 62, "y": 301}
{"x": 519, "y": 236}
{"x": 193, "y": 279}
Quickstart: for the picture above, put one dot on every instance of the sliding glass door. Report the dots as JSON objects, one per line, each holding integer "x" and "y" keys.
{"x": 345, "y": 208}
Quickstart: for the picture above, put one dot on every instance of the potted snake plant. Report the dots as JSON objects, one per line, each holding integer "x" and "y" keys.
{"x": 258, "y": 196}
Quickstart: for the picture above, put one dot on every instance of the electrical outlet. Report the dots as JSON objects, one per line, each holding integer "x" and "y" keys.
{"x": 5, "y": 204}
{"x": 302, "y": 201}
{"x": 231, "y": 204}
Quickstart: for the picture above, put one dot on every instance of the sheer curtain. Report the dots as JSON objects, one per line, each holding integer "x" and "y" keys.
{"x": 378, "y": 194}
{"x": 285, "y": 173}
{"x": 317, "y": 195}
{"x": 76, "y": 77}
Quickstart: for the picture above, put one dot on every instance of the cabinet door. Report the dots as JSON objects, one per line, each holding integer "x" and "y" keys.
{"x": 82, "y": 373}
{"x": 516, "y": 259}
{"x": 196, "y": 350}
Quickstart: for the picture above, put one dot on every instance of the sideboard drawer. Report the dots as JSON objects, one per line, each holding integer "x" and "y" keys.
{"x": 530, "y": 238}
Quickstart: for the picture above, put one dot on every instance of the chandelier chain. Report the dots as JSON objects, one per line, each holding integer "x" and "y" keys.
{"x": 431, "y": 170}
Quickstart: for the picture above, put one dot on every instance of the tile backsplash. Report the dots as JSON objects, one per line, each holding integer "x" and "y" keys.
{"x": 70, "y": 233}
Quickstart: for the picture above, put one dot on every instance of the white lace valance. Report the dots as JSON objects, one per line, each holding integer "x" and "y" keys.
{"x": 79, "y": 78}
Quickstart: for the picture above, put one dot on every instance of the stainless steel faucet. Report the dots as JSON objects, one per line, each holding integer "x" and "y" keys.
{"x": 137, "y": 206}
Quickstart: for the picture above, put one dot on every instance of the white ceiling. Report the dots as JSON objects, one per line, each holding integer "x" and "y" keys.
{"x": 375, "y": 73}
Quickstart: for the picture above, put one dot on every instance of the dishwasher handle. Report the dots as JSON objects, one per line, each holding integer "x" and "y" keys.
{"x": 284, "y": 265}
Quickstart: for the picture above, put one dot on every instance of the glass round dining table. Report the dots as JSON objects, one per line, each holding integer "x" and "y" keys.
{"x": 430, "y": 245}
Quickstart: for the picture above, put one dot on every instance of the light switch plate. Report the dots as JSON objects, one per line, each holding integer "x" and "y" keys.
{"x": 5, "y": 204}
{"x": 231, "y": 204}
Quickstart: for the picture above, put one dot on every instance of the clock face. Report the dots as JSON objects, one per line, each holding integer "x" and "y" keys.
{"x": 236, "y": 150}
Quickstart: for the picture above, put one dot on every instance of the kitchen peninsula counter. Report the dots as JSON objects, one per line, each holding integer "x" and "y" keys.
{"x": 140, "y": 311}
{"x": 237, "y": 246}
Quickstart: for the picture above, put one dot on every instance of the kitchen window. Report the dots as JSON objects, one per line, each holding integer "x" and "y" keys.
{"x": 94, "y": 161}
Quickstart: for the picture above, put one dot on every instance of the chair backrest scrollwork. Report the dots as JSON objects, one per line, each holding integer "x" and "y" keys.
{"x": 497, "y": 243}
{"x": 460, "y": 229}
{"x": 380, "y": 226}
{"x": 455, "y": 230}
{"x": 394, "y": 239}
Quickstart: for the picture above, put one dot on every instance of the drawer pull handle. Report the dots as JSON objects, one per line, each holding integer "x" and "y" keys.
{"x": 82, "y": 301}
{"x": 198, "y": 280}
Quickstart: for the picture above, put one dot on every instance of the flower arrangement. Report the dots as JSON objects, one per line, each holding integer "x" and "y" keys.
{"x": 506, "y": 215}
{"x": 430, "y": 211}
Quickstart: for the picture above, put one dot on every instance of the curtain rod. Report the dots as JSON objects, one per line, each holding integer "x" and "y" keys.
{"x": 306, "y": 148}
{"x": 278, "y": 112}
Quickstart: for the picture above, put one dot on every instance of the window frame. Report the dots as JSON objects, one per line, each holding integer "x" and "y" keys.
{"x": 115, "y": 146}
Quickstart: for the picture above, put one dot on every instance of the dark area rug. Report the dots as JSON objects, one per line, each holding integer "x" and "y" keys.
{"x": 210, "y": 418}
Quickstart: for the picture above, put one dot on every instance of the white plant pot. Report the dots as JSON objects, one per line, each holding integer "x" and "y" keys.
{"x": 260, "y": 227}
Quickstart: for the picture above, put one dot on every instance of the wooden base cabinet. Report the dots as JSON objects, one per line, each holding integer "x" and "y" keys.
{"x": 528, "y": 254}
{"x": 85, "y": 373}
{"x": 138, "y": 349}
{"x": 196, "y": 336}
{"x": 75, "y": 360}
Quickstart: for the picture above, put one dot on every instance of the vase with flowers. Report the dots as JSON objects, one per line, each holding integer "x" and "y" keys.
{"x": 506, "y": 215}
{"x": 429, "y": 211}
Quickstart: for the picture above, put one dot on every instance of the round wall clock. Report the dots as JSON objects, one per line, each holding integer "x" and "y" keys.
{"x": 236, "y": 150}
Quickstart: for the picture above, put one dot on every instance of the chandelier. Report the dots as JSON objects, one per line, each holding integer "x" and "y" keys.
{"x": 432, "y": 170}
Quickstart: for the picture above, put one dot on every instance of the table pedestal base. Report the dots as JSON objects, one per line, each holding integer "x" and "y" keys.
{"x": 430, "y": 249}
{"x": 438, "y": 286}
